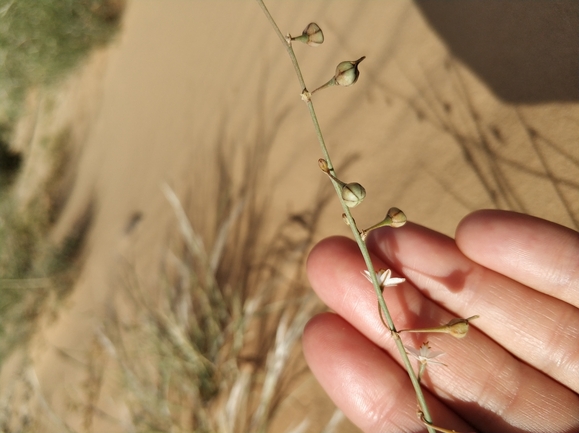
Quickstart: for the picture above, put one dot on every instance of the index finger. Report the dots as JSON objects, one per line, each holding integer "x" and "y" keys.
{"x": 512, "y": 244}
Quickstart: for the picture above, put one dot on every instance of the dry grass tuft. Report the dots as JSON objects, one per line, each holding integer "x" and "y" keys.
{"x": 216, "y": 347}
{"x": 215, "y": 351}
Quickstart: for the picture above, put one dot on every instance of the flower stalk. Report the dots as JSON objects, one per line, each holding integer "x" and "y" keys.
{"x": 346, "y": 74}
{"x": 424, "y": 356}
{"x": 456, "y": 327}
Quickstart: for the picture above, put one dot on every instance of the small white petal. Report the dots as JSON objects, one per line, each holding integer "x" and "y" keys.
{"x": 424, "y": 355}
{"x": 366, "y": 273}
{"x": 412, "y": 351}
{"x": 394, "y": 281}
{"x": 384, "y": 278}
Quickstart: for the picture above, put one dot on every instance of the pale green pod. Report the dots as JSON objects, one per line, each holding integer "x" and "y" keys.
{"x": 353, "y": 194}
{"x": 312, "y": 35}
{"x": 347, "y": 73}
{"x": 396, "y": 216}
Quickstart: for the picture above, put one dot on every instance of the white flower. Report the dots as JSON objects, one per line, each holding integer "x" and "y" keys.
{"x": 384, "y": 278}
{"x": 424, "y": 355}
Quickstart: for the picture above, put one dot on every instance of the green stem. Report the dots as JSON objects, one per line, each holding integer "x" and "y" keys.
{"x": 288, "y": 47}
{"x": 364, "y": 250}
{"x": 286, "y": 43}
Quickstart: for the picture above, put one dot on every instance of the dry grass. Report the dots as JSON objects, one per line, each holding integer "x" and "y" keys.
{"x": 40, "y": 42}
{"x": 33, "y": 268}
{"x": 215, "y": 347}
{"x": 36, "y": 274}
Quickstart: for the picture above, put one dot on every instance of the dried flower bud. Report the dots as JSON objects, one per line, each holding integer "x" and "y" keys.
{"x": 323, "y": 164}
{"x": 345, "y": 218}
{"x": 459, "y": 327}
{"x": 353, "y": 194}
{"x": 347, "y": 73}
{"x": 396, "y": 216}
{"x": 312, "y": 35}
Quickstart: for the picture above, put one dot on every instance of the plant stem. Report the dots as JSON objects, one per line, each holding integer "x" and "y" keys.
{"x": 361, "y": 244}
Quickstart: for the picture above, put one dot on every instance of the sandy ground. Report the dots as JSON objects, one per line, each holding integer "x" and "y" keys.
{"x": 429, "y": 128}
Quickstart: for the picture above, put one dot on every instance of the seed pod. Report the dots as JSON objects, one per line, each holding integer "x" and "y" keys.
{"x": 347, "y": 73}
{"x": 353, "y": 194}
{"x": 459, "y": 327}
{"x": 396, "y": 216}
{"x": 312, "y": 35}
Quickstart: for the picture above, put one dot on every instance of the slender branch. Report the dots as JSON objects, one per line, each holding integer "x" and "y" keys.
{"x": 286, "y": 43}
{"x": 361, "y": 244}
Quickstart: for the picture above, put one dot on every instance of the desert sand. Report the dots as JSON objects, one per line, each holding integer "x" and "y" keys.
{"x": 456, "y": 109}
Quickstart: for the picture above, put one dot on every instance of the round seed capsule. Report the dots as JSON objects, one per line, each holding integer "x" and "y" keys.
{"x": 353, "y": 194}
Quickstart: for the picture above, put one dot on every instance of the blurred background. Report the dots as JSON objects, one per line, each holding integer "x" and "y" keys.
{"x": 159, "y": 187}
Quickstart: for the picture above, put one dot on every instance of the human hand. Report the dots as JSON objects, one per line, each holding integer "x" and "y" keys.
{"x": 518, "y": 368}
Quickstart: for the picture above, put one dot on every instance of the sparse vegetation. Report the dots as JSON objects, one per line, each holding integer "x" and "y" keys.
{"x": 31, "y": 265}
{"x": 40, "y": 41}
{"x": 216, "y": 348}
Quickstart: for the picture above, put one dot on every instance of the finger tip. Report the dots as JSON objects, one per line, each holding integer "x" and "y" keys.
{"x": 323, "y": 248}
{"x": 325, "y": 256}
{"x": 315, "y": 333}
{"x": 485, "y": 218}
{"x": 478, "y": 226}
{"x": 315, "y": 326}
{"x": 351, "y": 370}
{"x": 474, "y": 219}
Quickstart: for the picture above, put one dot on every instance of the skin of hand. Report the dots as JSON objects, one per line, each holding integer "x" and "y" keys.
{"x": 517, "y": 370}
